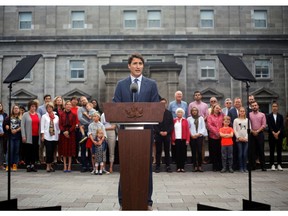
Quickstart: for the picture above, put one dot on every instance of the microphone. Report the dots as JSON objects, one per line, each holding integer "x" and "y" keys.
{"x": 134, "y": 89}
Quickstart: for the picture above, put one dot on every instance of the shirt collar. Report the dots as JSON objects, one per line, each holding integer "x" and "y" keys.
{"x": 139, "y": 78}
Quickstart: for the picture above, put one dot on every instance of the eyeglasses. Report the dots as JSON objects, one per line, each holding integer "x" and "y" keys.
{"x": 213, "y": 101}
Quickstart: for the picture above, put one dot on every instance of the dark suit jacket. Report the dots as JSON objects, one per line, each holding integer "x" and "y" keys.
{"x": 148, "y": 91}
{"x": 275, "y": 126}
{"x": 233, "y": 115}
{"x": 166, "y": 125}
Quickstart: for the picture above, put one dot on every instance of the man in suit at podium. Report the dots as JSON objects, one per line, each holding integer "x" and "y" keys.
{"x": 146, "y": 92}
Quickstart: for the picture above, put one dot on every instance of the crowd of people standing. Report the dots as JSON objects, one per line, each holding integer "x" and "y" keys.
{"x": 63, "y": 128}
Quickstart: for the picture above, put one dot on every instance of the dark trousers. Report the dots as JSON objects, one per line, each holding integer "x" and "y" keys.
{"x": 31, "y": 151}
{"x": 278, "y": 143}
{"x": 235, "y": 155}
{"x": 257, "y": 144}
{"x": 196, "y": 147}
{"x": 78, "y": 138}
{"x": 227, "y": 156}
{"x": 215, "y": 153}
{"x": 159, "y": 141}
{"x": 85, "y": 161}
{"x": 181, "y": 150}
{"x": 50, "y": 148}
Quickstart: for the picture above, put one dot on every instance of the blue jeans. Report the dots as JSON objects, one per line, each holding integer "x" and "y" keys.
{"x": 242, "y": 155}
{"x": 14, "y": 151}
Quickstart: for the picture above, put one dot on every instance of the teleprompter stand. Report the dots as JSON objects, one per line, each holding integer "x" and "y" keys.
{"x": 17, "y": 74}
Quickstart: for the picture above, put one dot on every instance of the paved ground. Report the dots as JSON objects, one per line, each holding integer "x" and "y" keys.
{"x": 173, "y": 191}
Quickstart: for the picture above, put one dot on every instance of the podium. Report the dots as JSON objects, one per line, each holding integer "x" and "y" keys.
{"x": 134, "y": 148}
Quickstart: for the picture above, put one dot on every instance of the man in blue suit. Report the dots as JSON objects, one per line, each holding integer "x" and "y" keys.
{"x": 147, "y": 92}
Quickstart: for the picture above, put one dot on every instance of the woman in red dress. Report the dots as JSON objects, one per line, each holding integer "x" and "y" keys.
{"x": 67, "y": 124}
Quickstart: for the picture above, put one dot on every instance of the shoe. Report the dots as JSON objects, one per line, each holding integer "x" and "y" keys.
{"x": 52, "y": 170}
{"x": 273, "y": 168}
{"x": 150, "y": 208}
{"x": 105, "y": 172}
{"x": 14, "y": 167}
{"x": 168, "y": 169}
{"x": 28, "y": 169}
{"x": 231, "y": 170}
{"x": 84, "y": 138}
{"x": 178, "y": 170}
{"x": 245, "y": 170}
{"x": 223, "y": 170}
{"x": 6, "y": 168}
{"x": 157, "y": 170}
{"x": 65, "y": 171}
{"x": 200, "y": 169}
{"x": 263, "y": 169}
{"x": 194, "y": 169}
{"x": 96, "y": 172}
{"x": 279, "y": 168}
{"x": 48, "y": 171}
{"x": 182, "y": 170}
{"x": 93, "y": 172}
{"x": 83, "y": 169}
{"x": 111, "y": 170}
{"x": 100, "y": 172}
{"x": 33, "y": 169}
{"x": 241, "y": 170}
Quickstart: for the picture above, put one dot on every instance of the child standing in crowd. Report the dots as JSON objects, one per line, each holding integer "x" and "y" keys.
{"x": 240, "y": 126}
{"x": 99, "y": 149}
{"x": 92, "y": 129}
{"x": 226, "y": 134}
{"x": 180, "y": 138}
{"x": 89, "y": 115}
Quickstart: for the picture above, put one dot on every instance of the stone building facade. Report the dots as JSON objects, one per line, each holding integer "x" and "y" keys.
{"x": 85, "y": 49}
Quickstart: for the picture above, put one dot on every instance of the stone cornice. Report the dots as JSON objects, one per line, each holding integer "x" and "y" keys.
{"x": 121, "y": 38}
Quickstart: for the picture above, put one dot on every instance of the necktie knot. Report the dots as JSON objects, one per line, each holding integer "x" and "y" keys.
{"x": 136, "y": 81}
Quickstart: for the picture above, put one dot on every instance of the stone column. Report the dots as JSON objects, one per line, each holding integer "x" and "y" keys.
{"x": 1, "y": 77}
{"x": 104, "y": 92}
{"x": 49, "y": 74}
{"x": 181, "y": 58}
{"x": 285, "y": 56}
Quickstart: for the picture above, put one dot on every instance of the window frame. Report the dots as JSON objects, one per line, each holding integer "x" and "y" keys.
{"x": 125, "y": 13}
{"x": 215, "y": 78}
{"x": 266, "y": 19}
{"x": 149, "y": 13}
{"x": 21, "y": 21}
{"x": 261, "y": 77}
{"x": 77, "y": 79}
{"x": 201, "y": 19}
{"x": 75, "y": 20}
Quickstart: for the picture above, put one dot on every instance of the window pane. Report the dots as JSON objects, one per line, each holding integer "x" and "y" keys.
{"x": 207, "y": 68}
{"x": 77, "y": 69}
{"x": 260, "y": 18}
{"x": 25, "y": 20}
{"x": 262, "y": 68}
{"x": 207, "y": 18}
{"x": 78, "y": 19}
{"x": 154, "y": 19}
{"x": 130, "y": 19}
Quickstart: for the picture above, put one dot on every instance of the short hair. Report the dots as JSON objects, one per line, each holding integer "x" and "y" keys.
{"x": 31, "y": 103}
{"x": 135, "y": 55}
{"x": 226, "y": 118}
{"x": 50, "y": 104}
{"x": 275, "y": 102}
{"x": 74, "y": 98}
{"x": 181, "y": 110}
{"x": 47, "y": 95}
{"x": 195, "y": 92}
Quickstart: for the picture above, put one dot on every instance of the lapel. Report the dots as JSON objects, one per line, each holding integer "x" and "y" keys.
{"x": 142, "y": 89}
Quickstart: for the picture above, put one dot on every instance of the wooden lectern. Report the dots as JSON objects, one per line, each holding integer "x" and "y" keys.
{"x": 134, "y": 148}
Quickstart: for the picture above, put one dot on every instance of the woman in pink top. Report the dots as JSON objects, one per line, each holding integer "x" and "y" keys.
{"x": 214, "y": 123}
